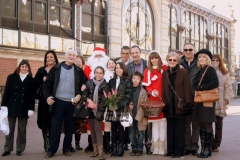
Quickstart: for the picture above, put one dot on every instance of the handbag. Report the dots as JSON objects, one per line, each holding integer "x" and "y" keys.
{"x": 126, "y": 119}
{"x": 181, "y": 101}
{"x": 206, "y": 96}
{"x": 81, "y": 111}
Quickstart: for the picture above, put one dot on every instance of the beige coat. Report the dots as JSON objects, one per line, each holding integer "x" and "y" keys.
{"x": 140, "y": 116}
{"x": 225, "y": 93}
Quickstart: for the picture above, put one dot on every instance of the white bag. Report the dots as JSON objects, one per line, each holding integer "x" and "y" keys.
{"x": 4, "y": 126}
{"x": 126, "y": 120}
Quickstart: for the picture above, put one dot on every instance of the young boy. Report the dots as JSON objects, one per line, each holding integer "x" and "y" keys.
{"x": 137, "y": 130}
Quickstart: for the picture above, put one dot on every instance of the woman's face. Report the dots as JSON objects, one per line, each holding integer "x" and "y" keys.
{"x": 119, "y": 70}
{"x": 111, "y": 65}
{"x": 202, "y": 59}
{"x": 154, "y": 61}
{"x": 24, "y": 68}
{"x": 98, "y": 74}
{"x": 215, "y": 62}
{"x": 172, "y": 61}
{"x": 78, "y": 62}
{"x": 50, "y": 59}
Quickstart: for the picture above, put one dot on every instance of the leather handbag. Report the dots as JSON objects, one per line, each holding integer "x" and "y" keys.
{"x": 206, "y": 96}
{"x": 81, "y": 111}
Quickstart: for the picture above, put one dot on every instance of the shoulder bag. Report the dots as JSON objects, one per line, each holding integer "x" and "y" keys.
{"x": 81, "y": 111}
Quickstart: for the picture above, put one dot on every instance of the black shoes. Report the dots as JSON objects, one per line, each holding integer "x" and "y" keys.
{"x": 187, "y": 151}
{"x": 5, "y": 153}
{"x": 19, "y": 153}
{"x": 126, "y": 147}
{"x": 168, "y": 154}
{"x": 176, "y": 155}
{"x": 148, "y": 148}
{"x": 194, "y": 152}
{"x": 49, "y": 155}
{"x": 78, "y": 147}
{"x": 72, "y": 149}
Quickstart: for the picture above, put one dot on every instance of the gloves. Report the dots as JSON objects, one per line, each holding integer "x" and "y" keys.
{"x": 30, "y": 113}
{"x": 5, "y": 111}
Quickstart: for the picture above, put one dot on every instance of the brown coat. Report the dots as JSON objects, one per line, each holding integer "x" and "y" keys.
{"x": 140, "y": 116}
{"x": 183, "y": 89}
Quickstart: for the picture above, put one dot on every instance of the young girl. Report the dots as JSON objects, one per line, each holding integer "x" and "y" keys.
{"x": 153, "y": 82}
{"x": 122, "y": 84}
{"x": 94, "y": 96}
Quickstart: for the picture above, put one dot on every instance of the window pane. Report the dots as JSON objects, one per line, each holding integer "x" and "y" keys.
{"x": 87, "y": 48}
{"x": 25, "y": 10}
{"x": 0, "y": 36}
{"x": 41, "y": 42}
{"x": 66, "y": 18}
{"x": 40, "y": 12}
{"x": 99, "y": 25}
{"x": 174, "y": 42}
{"x": 86, "y": 22}
{"x": 8, "y": 8}
{"x": 54, "y": 15}
{"x": 55, "y": 1}
{"x": 86, "y": 7}
{"x": 68, "y": 44}
{"x": 27, "y": 40}
{"x": 56, "y": 44}
{"x": 10, "y": 37}
{"x": 67, "y": 3}
{"x": 98, "y": 8}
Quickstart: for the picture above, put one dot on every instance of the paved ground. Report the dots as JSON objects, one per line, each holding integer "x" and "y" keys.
{"x": 229, "y": 149}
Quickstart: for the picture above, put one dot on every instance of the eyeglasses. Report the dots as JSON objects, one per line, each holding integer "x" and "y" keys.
{"x": 215, "y": 60}
{"x": 174, "y": 60}
{"x": 185, "y": 50}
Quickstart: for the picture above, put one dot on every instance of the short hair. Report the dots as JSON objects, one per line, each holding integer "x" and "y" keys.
{"x": 54, "y": 55}
{"x": 171, "y": 54}
{"x": 123, "y": 67}
{"x": 135, "y": 46}
{"x": 24, "y": 61}
{"x": 208, "y": 59}
{"x": 81, "y": 57}
{"x": 189, "y": 43}
{"x": 125, "y": 48}
{"x": 222, "y": 67}
{"x": 69, "y": 51}
{"x": 137, "y": 74}
{"x": 99, "y": 67}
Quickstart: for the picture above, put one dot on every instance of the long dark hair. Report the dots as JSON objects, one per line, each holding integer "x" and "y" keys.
{"x": 123, "y": 67}
{"x": 24, "y": 61}
{"x": 54, "y": 55}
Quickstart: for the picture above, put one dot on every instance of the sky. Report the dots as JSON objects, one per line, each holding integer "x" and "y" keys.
{"x": 221, "y": 7}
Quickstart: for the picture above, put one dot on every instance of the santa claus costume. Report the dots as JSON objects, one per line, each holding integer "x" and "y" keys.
{"x": 153, "y": 82}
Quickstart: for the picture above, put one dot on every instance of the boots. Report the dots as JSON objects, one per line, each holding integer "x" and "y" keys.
{"x": 95, "y": 151}
{"x": 100, "y": 152}
{"x": 161, "y": 147}
{"x": 107, "y": 142}
{"x": 120, "y": 150}
{"x": 46, "y": 138}
{"x": 155, "y": 145}
{"x": 202, "y": 138}
{"x": 207, "y": 147}
{"x": 89, "y": 147}
{"x": 114, "y": 150}
{"x": 148, "y": 148}
{"x": 78, "y": 147}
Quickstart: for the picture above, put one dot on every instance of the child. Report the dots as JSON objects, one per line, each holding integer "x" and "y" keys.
{"x": 137, "y": 130}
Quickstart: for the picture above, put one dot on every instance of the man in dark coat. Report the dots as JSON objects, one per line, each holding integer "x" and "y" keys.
{"x": 62, "y": 89}
{"x": 189, "y": 62}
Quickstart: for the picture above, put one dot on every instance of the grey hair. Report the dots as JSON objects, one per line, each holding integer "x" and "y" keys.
{"x": 189, "y": 43}
{"x": 171, "y": 54}
{"x": 70, "y": 51}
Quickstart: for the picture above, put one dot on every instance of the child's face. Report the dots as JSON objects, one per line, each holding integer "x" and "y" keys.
{"x": 136, "y": 80}
{"x": 98, "y": 74}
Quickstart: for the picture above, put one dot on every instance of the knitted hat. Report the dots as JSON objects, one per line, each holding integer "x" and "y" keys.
{"x": 98, "y": 50}
{"x": 204, "y": 51}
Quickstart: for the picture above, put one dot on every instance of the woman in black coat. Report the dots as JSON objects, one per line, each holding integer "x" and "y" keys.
{"x": 123, "y": 86}
{"x": 44, "y": 118}
{"x": 19, "y": 100}
{"x": 205, "y": 111}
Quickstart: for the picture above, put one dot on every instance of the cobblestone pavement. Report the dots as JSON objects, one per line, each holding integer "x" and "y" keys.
{"x": 229, "y": 149}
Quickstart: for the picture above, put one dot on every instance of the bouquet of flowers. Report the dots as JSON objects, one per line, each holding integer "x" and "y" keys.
{"x": 112, "y": 99}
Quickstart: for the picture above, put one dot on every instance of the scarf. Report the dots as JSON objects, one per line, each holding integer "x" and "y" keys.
{"x": 95, "y": 93}
{"x": 23, "y": 76}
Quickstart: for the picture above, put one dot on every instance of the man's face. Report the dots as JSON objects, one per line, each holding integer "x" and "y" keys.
{"x": 188, "y": 51}
{"x": 98, "y": 56}
{"x": 125, "y": 53}
{"x": 70, "y": 57}
{"x": 135, "y": 52}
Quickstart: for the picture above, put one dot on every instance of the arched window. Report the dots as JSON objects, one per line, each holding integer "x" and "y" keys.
{"x": 137, "y": 24}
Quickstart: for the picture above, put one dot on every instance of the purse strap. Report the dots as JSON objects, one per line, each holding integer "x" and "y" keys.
{"x": 172, "y": 87}
{"x": 202, "y": 76}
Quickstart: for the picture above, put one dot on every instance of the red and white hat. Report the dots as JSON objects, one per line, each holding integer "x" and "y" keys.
{"x": 99, "y": 50}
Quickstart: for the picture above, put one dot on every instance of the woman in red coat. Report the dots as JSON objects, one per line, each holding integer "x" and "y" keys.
{"x": 153, "y": 82}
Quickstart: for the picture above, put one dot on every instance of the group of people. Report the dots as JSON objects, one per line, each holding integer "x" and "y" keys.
{"x": 60, "y": 86}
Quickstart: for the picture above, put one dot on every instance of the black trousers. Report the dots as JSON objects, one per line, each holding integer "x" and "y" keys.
{"x": 176, "y": 135}
{"x": 217, "y": 139}
{"x": 117, "y": 132}
{"x": 62, "y": 109}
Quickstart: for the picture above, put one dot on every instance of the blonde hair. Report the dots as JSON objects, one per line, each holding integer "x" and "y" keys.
{"x": 206, "y": 56}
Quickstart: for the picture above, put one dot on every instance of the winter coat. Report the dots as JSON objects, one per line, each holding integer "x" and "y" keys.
{"x": 88, "y": 93}
{"x": 209, "y": 81}
{"x": 129, "y": 61}
{"x": 124, "y": 90}
{"x": 51, "y": 83}
{"x": 131, "y": 67}
{"x": 179, "y": 79}
{"x": 19, "y": 96}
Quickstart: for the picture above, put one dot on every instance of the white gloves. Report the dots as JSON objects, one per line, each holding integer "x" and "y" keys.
{"x": 30, "y": 113}
{"x": 5, "y": 111}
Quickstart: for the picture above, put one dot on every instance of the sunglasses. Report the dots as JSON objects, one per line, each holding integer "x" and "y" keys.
{"x": 174, "y": 60}
{"x": 215, "y": 60}
{"x": 185, "y": 50}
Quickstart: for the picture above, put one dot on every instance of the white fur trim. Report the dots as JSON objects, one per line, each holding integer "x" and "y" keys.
{"x": 98, "y": 52}
{"x": 148, "y": 79}
{"x": 163, "y": 59}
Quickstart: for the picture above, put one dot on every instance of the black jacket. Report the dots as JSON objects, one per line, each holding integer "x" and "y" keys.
{"x": 131, "y": 67}
{"x": 51, "y": 83}
{"x": 19, "y": 96}
{"x": 88, "y": 93}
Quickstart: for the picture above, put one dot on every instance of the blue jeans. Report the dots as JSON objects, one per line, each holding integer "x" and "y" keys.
{"x": 136, "y": 136}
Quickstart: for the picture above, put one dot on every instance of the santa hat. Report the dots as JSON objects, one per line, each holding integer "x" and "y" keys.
{"x": 98, "y": 50}
{"x": 163, "y": 59}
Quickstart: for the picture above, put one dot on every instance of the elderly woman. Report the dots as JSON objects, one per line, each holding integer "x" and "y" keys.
{"x": 176, "y": 86}
{"x": 205, "y": 111}
{"x": 225, "y": 93}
